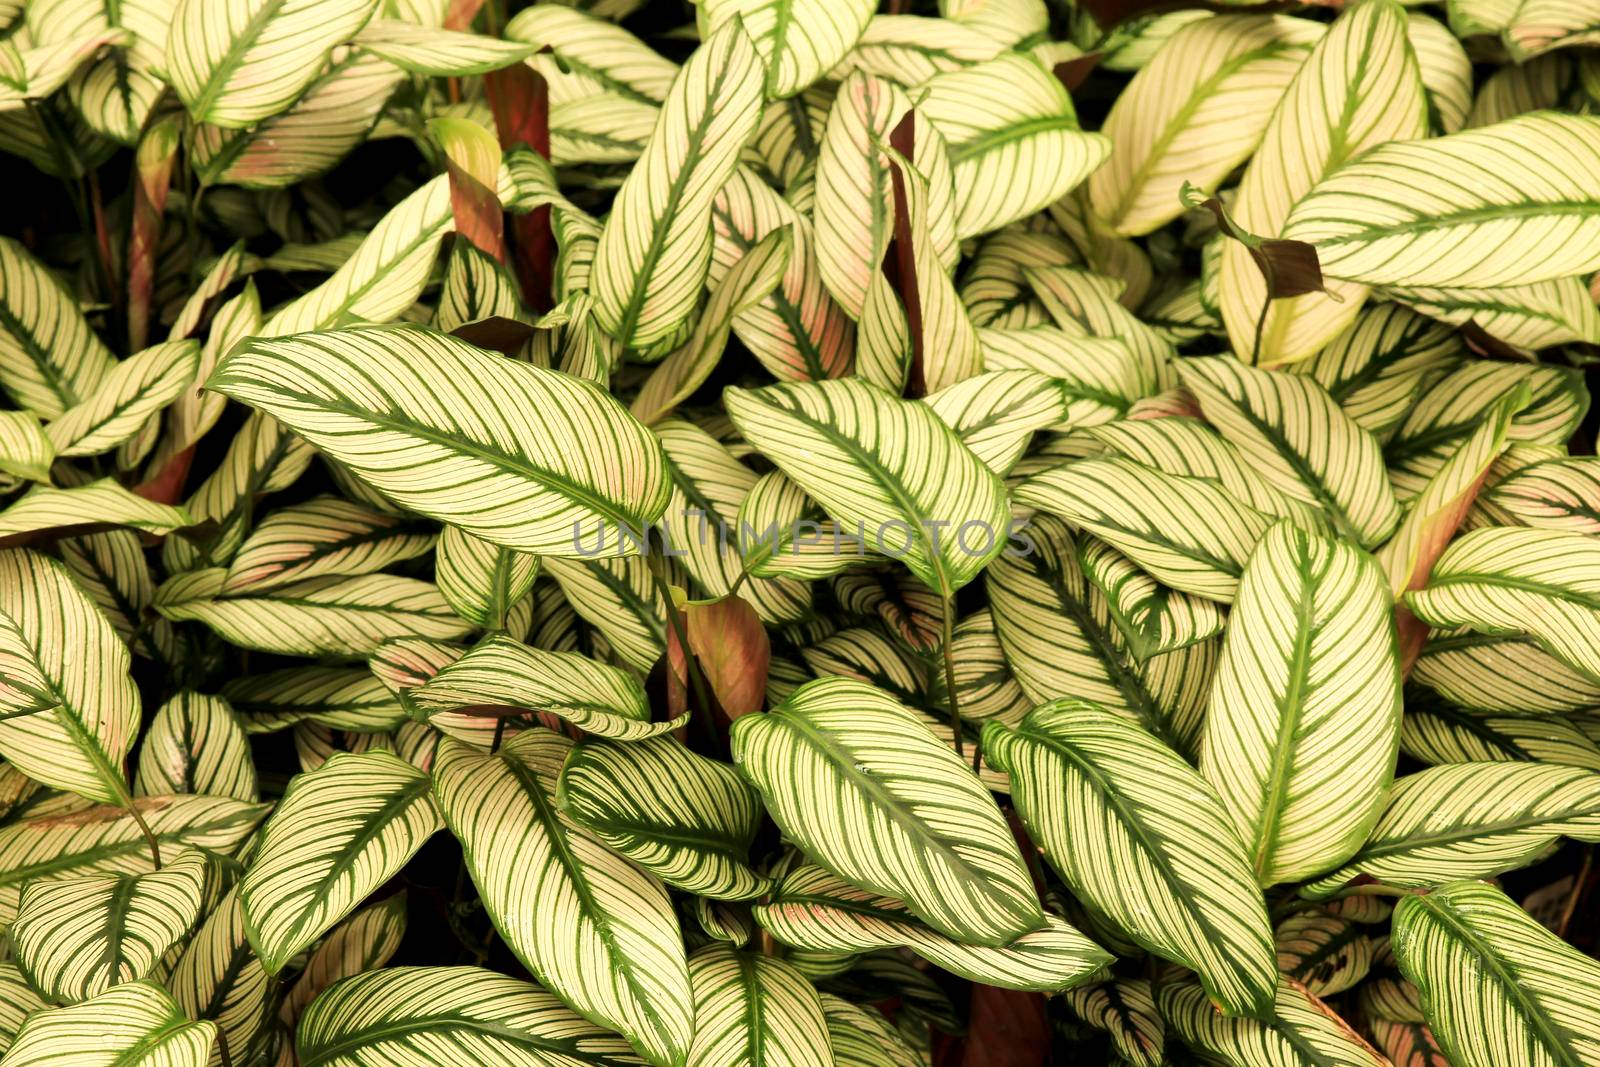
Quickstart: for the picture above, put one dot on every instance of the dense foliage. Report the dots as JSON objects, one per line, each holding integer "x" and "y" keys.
{"x": 779, "y": 532}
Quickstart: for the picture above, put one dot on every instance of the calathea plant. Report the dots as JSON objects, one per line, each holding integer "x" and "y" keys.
{"x": 799, "y": 532}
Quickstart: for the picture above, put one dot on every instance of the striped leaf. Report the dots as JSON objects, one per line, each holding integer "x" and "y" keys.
{"x": 482, "y": 581}
{"x": 504, "y": 672}
{"x": 1142, "y": 839}
{"x": 95, "y": 505}
{"x": 1059, "y": 635}
{"x": 618, "y": 598}
{"x": 76, "y": 938}
{"x": 1446, "y": 72}
{"x": 745, "y": 284}
{"x": 701, "y": 522}
{"x": 1193, "y": 113}
{"x": 1554, "y": 494}
{"x": 1014, "y": 141}
{"x": 510, "y": 430}
{"x": 106, "y": 840}
{"x": 343, "y": 698}
{"x": 126, "y": 397}
{"x": 247, "y": 60}
{"x": 687, "y": 819}
{"x": 816, "y": 911}
{"x": 1501, "y": 674}
{"x": 1501, "y": 580}
{"x": 116, "y": 92}
{"x": 1434, "y": 732}
{"x": 784, "y": 534}
{"x": 1099, "y": 377}
{"x": 50, "y": 360}
{"x": 1189, "y": 534}
{"x": 839, "y": 753}
{"x": 592, "y": 55}
{"x": 436, "y": 52}
{"x": 195, "y": 412}
{"x": 1375, "y": 221}
{"x": 329, "y": 119}
{"x": 862, "y": 1037}
{"x": 1523, "y": 316}
{"x": 218, "y": 977}
{"x": 339, "y": 833}
{"x": 424, "y": 1015}
{"x": 1297, "y": 436}
{"x": 1126, "y": 1010}
{"x": 195, "y": 744}
{"x": 799, "y": 40}
{"x": 1496, "y": 986}
{"x": 17, "y": 1002}
{"x": 1361, "y": 86}
{"x": 1471, "y": 820}
{"x": 910, "y": 49}
{"x": 1303, "y": 1031}
{"x": 318, "y": 616}
{"x": 68, "y": 708}
{"x": 755, "y": 1009}
{"x": 1323, "y": 952}
{"x": 1377, "y": 367}
{"x": 795, "y": 330}
{"x": 26, "y": 451}
{"x": 1087, "y": 304}
{"x": 1151, "y": 618}
{"x": 855, "y": 209}
{"x": 1189, "y": 448}
{"x": 1439, "y": 509}
{"x": 1304, "y": 716}
{"x": 383, "y": 276}
{"x": 363, "y": 942}
{"x": 861, "y": 453}
{"x": 323, "y": 536}
{"x": 656, "y": 249}
{"x": 1407, "y": 1044}
{"x": 996, "y": 414}
{"x": 134, "y": 1023}
{"x": 596, "y": 930}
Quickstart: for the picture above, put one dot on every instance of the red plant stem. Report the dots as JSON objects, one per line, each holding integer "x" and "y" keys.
{"x": 520, "y": 99}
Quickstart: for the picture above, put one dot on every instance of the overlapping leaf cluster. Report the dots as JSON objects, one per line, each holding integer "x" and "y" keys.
{"x": 754, "y": 533}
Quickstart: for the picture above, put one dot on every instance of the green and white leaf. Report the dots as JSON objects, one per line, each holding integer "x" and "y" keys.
{"x": 242, "y": 61}
{"x": 655, "y": 251}
{"x": 196, "y": 744}
{"x": 862, "y": 1037}
{"x": 861, "y": 453}
{"x": 1297, "y": 436}
{"x": 816, "y": 911}
{"x": 591, "y": 55}
{"x": 839, "y": 753}
{"x": 996, "y": 414}
{"x": 135, "y": 389}
{"x": 105, "y": 840}
{"x": 363, "y": 942}
{"x": 1434, "y": 732}
{"x": 50, "y": 358}
{"x": 438, "y": 53}
{"x": 96, "y": 504}
{"x": 755, "y": 1009}
{"x": 1125, "y": 1009}
{"x": 588, "y": 924}
{"x": 330, "y": 615}
{"x": 324, "y": 536}
{"x": 504, "y": 672}
{"x": 68, "y": 708}
{"x": 1419, "y": 213}
{"x": 800, "y": 41}
{"x": 76, "y": 938}
{"x": 1553, "y": 494}
{"x": 483, "y": 582}
{"x": 340, "y": 832}
{"x": 1325, "y": 953}
{"x": 422, "y": 1015}
{"x": 1193, "y": 113}
{"x": 341, "y": 698}
{"x": 1496, "y": 986}
{"x": 1360, "y": 87}
{"x": 1014, "y": 141}
{"x": 1501, "y": 674}
{"x": 1508, "y": 580}
{"x": 1141, "y": 838}
{"x": 1471, "y": 820}
{"x": 1151, "y": 618}
{"x": 1304, "y": 717}
{"x": 26, "y": 451}
{"x": 687, "y": 819}
{"x": 1302, "y": 1031}
{"x": 218, "y": 977}
{"x": 545, "y": 455}
{"x": 1189, "y": 534}
{"x": 1530, "y": 317}
{"x": 137, "y": 1023}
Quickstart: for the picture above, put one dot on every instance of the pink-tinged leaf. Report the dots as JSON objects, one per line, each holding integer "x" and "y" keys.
{"x": 731, "y": 645}
{"x": 472, "y": 158}
{"x": 158, "y": 151}
{"x": 520, "y": 100}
